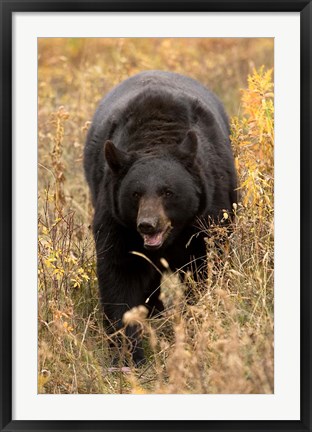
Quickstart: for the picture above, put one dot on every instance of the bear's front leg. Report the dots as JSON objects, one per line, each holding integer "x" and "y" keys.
{"x": 125, "y": 284}
{"x": 118, "y": 298}
{"x": 125, "y": 281}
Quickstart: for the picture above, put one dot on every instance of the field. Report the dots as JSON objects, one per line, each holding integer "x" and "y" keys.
{"x": 222, "y": 342}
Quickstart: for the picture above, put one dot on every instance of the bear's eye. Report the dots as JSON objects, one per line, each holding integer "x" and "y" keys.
{"x": 136, "y": 195}
{"x": 168, "y": 193}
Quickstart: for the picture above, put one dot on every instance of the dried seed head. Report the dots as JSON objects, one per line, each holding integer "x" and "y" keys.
{"x": 135, "y": 315}
{"x": 164, "y": 263}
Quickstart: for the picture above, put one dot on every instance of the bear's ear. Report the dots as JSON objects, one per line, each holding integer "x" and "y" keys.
{"x": 115, "y": 158}
{"x": 188, "y": 147}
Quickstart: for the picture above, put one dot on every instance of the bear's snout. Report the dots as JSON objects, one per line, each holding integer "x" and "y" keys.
{"x": 147, "y": 225}
{"x": 152, "y": 223}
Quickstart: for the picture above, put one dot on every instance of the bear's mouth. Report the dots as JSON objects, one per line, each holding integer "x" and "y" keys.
{"x": 156, "y": 239}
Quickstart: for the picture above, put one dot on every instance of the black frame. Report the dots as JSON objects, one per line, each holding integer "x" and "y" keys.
{"x": 7, "y": 8}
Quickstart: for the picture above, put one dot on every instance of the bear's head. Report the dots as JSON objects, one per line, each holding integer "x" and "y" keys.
{"x": 156, "y": 193}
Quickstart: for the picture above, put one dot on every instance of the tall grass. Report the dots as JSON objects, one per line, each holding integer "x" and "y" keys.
{"x": 221, "y": 341}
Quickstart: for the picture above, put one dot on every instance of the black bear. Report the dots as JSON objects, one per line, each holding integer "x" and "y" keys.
{"x": 157, "y": 159}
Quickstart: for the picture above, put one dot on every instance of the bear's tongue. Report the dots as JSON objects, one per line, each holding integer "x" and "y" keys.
{"x": 153, "y": 239}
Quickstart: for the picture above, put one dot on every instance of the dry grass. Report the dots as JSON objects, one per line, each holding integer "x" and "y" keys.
{"x": 221, "y": 341}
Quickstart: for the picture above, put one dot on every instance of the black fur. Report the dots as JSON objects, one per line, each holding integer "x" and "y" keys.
{"x": 163, "y": 137}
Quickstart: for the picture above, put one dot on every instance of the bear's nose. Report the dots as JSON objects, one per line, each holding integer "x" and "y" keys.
{"x": 147, "y": 225}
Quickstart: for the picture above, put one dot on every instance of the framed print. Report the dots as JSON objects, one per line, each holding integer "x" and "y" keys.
{"x": 155, "y": 215}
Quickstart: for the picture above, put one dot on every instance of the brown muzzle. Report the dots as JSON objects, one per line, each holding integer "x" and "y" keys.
{"x": 152, "y": 222}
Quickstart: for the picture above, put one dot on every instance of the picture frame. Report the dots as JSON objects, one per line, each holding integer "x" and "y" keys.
{"x": 8, "y": 8}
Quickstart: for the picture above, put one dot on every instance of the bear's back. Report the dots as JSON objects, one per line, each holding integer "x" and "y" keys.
{"x": 180, "y": 87}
